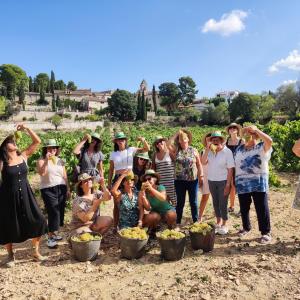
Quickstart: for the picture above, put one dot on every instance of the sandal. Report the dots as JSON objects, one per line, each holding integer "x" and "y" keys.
{"x": 39, "y": 257}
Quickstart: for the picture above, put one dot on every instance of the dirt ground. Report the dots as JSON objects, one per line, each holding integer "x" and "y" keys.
{"x": 235, "y": 269}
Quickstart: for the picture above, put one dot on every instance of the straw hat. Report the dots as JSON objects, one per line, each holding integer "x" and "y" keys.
{"x": 239, "y": 128}
{"x": 151, "y": 173}
{"x": 96, "y": 136}
{"x": 187, "y": 133}
{"x": 208, "y": 134}
{"x": 131, "y": 176}
{"x": 143, "y": 155}
{"x": 82, "y": 177}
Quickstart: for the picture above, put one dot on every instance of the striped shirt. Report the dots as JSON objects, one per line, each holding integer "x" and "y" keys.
{"x": 166, "y": 170}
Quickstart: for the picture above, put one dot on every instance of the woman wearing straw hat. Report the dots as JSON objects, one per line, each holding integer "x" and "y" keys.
{"x": 188, "y": 173}
{"x": 251, "y": 179}
{"x": 153, "y": 198}
{"x": 163, "y": 163}
{"x": 233, "y": 141}
{"x": 204, "y": 189}
{"x": 141, "y": 163}
{"x": 86, "y": 206}
{"x": 20, "y": 217}
{"x": 90, "y": 156}
{"x": 54, "y": 188}
{"x": 220, "y": 164}
{"x": 121, "y": 160}
{"x": 126, "y": 196}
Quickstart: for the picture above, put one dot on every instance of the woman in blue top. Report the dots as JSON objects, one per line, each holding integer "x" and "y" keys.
{"x": 127, "y": 200}
{"x": 251, "y": 179}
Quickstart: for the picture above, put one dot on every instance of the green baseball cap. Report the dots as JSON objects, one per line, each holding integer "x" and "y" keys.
{"x": 143, "y": 155}
{"x": 120, "y": 135}
{"x": 50, "y": 143}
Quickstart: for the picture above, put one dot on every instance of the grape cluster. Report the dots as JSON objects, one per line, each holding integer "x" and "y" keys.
{"x": 170, "y": 234}
{"x": 202, "y": 228}
{"x": 135, "y": 233}
{"x": 86, "y": 237}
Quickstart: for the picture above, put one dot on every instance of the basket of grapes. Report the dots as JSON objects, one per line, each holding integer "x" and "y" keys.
{"x": 85, "y": 246}
{"x": 132, "y": 242}
{"x": 202, "y": 236}
{"x": 172, "y": 244}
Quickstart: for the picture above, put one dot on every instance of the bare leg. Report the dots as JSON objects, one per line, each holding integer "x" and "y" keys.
{"x": 36, "y": 249}
{"x": 116, "y": 214}
{"x": 170, "y": 218}
{"x": 232, "y": 195}
{"x": 203, "y": 203}
{"x": 151, "y": 220}
{"x": 9, "y": 248}
{"x": 102, "y": 224}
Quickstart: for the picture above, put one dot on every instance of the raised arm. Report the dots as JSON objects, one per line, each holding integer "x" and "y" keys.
{"x": 35, "y": 141}
{"x": 146, "y": 146}
{"x": 42, "y": 166}
{"x": 115, "y": 188}
{"x": 110, "y": 173}
{"x": 266, "y": 138}
{"x": 79, "y": 146}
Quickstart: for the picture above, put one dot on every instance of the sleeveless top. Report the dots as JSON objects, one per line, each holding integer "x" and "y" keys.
{"x": 54, "y": 176}
{"x": 233, "y": 147}
{"x": 185, "y": 164}
{"x": 129, "y": 210}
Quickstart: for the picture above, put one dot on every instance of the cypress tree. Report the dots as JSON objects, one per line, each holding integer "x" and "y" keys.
{"x": 143, "y": 105}
{"x": 30, "y": 84}
{"x": 146, "y": 109}
{"x": 154, "y": 99}
{"x": 52, "y": 82}
{"x": 139, "y": 105}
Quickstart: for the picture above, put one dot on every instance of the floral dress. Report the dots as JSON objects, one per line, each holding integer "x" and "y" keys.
{"x": 129, "y": 210}
{"x": 185, "y": 164}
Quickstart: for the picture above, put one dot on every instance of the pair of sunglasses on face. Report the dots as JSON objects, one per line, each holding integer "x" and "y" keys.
{"x": 159, "y": 142}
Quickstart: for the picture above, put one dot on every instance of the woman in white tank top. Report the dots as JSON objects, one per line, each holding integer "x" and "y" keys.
{"x": 54, "y": 188}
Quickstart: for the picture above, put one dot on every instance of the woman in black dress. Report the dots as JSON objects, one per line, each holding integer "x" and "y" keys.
{"x": 20, "y": 216}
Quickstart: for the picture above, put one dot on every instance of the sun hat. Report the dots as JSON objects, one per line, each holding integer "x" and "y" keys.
{"x": 120, "y": 135}
{"x": 239, "y": 128}
{"x": 143, "y": 155}
{"x": 217, "y": 134}
{"x": 208, "y": 134}
{"x": 82, "y": 177}
{"x": 132, "y": 176}
{"x": 96, "y": 136}
{"x": 151, "y": 173}
{"x": 159, "y": 138}
{"x": 50, "y": 143}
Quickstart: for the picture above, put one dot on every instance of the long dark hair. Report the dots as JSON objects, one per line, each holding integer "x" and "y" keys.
{"x": 44, "y": 152}
{"x": 147, "y": 165}
{"x": 79, "y": 190}
{"x": 116, "y": 146}
{"x": 97, "y": 147}
{"x": 3, "y": 149}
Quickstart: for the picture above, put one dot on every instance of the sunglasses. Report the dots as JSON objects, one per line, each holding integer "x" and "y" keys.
{"x": 86, "y": 180}
{"x": 233, "y": 127}
{"x": 143, "y": 159}
{"x": 148, "y": 178}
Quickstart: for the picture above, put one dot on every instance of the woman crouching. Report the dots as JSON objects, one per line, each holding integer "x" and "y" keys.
{"x": 86, "y": 212}
{"x": 153, "y": 198}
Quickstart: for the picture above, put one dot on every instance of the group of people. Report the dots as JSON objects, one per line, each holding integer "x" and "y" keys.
{"x": 145, "y": 190}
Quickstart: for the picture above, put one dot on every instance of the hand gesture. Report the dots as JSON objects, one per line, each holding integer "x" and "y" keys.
{"x": 21, "y": 127}
{"x": 208, "y": 143}
{"x": 141, "y": 139}
{"x": 87, "y": 137}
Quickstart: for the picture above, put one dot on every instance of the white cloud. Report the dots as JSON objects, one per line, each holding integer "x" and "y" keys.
{"x": 292, "y": 62}
{"x": 229, "y": 23}
{"x": 288, "y": 82}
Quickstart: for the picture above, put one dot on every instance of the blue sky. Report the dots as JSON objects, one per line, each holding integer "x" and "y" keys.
{"x": 107, "y": 44}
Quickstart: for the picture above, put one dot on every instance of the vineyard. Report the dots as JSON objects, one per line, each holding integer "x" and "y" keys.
{"x": 282, "y": 158}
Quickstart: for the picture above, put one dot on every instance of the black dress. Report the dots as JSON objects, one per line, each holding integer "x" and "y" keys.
{"x": 20, "y": 216}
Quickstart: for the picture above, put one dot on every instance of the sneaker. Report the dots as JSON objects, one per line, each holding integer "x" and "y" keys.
{"x": 243, "y": 232}
{"x": 265, "y": 238}
{"x": 217, "y": 227}
{"x": 231, "y": 209}
{"x": 57, "y": 237}
{"x": 51, "y": 243}
{"x": 223, "y": 230}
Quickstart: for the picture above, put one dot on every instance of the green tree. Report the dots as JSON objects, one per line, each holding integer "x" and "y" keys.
{"x": 217, "y": 100}
{"x": 154, "y": 99}
{"x": 30, "y": 84}
{"x": 243, "y": 107}
{"x": 122, "y": 105}
{"x": 11, "y": 77}
{"x": 187, "y": 87}
{"x": 216, "y": 115}
{"x": 288, "y": 100}
{"x": 53, "y": 103}
{"x": 264, "y": 112}
{"x": 58, "y": 102}
{"x": 42, "y": 81}
{"x": 2, "y": 105}
{"x": 170, "y": 95}
{"x": 23, "y": 87}
{"x": 71, "y": 86}
{"x": 52, "y": 82}
{"x": 60, "y": 85}
{"x": 56, "y": 120}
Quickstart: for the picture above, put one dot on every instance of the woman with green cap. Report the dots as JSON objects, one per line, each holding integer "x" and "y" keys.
{"x": 121, "y": 160}
{"x": 90, "y": 156}
{"x": 54, "y": 188}
{"x": 141, "y": 163}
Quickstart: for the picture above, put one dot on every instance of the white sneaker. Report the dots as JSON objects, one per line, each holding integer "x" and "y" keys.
{"x": 57, "y": 237}
{"x": 51, "y": 243}
{"x": 265, "y": 238}
{"x": 217, "y": 227}
{"x": 223, "y": 230}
